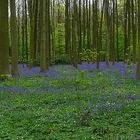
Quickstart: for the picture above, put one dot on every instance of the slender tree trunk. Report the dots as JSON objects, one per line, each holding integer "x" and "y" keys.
{"x": 96, "y": 34}
{"x": 4, "y": 50}
{"x": 14, "y": 38}
{"x": 18, "y": 28}
{"x": 74, "y": 34}
{"x": 53, "y": 30}
{"x": 107, "y": 30}
{"x": 33, "y": 12}
{"x": 79, "y": 31}
{"x": 129, "y": 31}
{"x": 48, "y": 43}
{"x": 113, "y": 34}
{"x": 133, "y": 31}
{"x": 84, "y": 24}
{"x": 138, "y": 65}
{"x": 26, "y": 30}
{"x": 117, "y": 32}
{"x": 100, "y": 29}
{"x": 43, "y": 53}
{"x": 23, "y": 34}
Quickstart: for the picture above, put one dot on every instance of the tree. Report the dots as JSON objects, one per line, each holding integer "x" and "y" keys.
{"x": 127, "y": 30}
{"x": 4, "y": 52}
{"x": 84, "y": 24}
{"x": 33, "y": 6}
{"x": 79, "y": 30}
{"x": 117, "y": 43}
{"x": 48, "y": 35}
{"x": 74, "y": 34}
{"x": 134, "y": 32}
{"x": 67, "y": 28}
{"x": 112, "y": 33}
{"x": 138, "y": 65}
{"x": 14, "y": 38}
{"x": 26, "y": 29}
{"x": 43, "y": 62}
{"x": 107, "y": 31}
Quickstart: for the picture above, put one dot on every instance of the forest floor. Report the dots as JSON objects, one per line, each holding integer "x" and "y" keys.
{"x": 71, "y": 104}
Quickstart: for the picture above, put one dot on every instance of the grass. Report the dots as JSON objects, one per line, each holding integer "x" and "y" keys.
{"x": 74, "y": 105}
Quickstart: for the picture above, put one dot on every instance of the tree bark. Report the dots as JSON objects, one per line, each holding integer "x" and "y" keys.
{"x": 14, "y": 38}
{"x": 4, "y": 50}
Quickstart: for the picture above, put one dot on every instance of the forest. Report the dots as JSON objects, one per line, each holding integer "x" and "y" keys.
{"x": 69, "y": 69}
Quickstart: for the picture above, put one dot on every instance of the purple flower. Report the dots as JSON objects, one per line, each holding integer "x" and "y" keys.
{"x": 14, "y": 89}
{"x": 129, "y": 97}
{"x": 117, "y": 106}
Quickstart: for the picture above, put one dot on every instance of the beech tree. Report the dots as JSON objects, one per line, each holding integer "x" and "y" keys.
{"x": 4, "y": 43}
{"x": 138, "y": 65}
{"x": 43, "y": 63}
{"x": 74, "y": 34}
{"x": 14, "y": 38}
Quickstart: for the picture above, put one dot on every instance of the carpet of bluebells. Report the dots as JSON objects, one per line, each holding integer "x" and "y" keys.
{"x": 71, "y": 104}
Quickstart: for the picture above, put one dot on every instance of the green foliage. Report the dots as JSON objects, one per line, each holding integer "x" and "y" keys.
{"x": 82, "y": 81}
{"x": 62, "y": 59}
{"x": 102, "y": 55}
{"x": 5, "y": 77}
{"x": 88, "y": 55}
{"x": 76, "y": 111}
{"x": 129, "y": 68}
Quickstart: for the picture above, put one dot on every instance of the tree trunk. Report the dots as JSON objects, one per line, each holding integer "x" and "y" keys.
{"x": 14, "y": 38}
{"x": 43, "y": 62}
{"x": 138, "y": 65}
{"x": 4, "y": 50}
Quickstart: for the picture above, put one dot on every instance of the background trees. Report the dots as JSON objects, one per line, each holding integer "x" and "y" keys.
{"x": 68, "y": 31}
